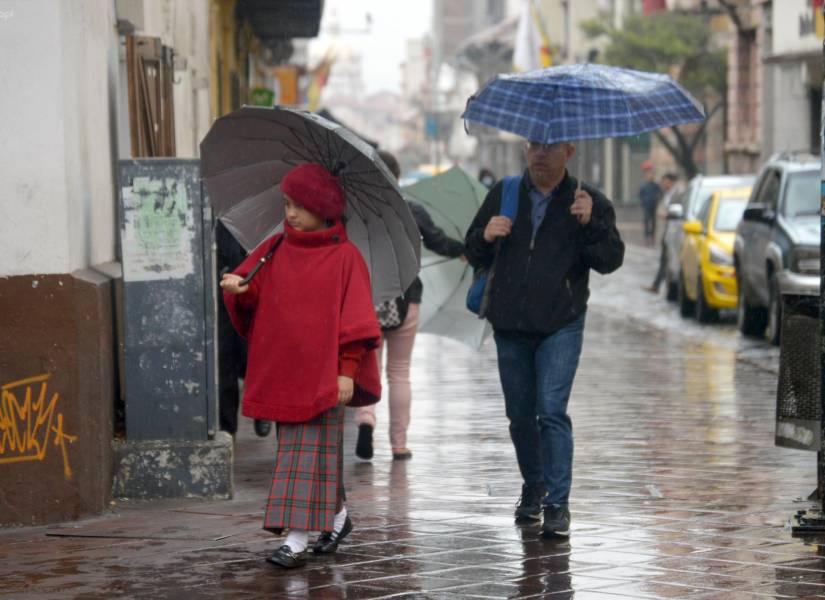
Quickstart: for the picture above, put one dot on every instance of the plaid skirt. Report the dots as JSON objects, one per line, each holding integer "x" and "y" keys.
{"x": 307, "y": 484}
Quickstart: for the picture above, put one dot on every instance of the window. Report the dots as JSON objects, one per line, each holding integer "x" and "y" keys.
{"x": 729, "y": 213}
{"x": 769, "y": 190}
{"x": 151, "y": 111}
{"x": 704, "y": 213}
{"x": 801, "y": 197}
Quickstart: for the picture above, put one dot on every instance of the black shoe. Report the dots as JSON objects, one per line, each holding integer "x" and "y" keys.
{"x": 405, "y": 454}
{"x": 363, "y": 447}
{"x": 327, "y": 542}
{"x": 528, "y": 507}
{"x": 286, "y": 558}
{"x": 556, "y": 521}
{"x": 262, "y": 428}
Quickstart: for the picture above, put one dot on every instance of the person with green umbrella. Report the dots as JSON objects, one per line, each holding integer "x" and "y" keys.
{"x": 399, "y": 341}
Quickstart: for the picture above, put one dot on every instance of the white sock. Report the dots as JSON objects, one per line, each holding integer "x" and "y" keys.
{"x": 340, "y": 518}
{"x": 297, "y": 540}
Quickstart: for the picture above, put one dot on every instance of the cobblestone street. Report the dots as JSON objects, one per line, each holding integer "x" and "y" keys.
{"x": 678, "y": 489}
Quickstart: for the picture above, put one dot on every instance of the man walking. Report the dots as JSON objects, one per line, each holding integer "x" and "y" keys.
{"x": 537, "y": 305}
{"x": 649, "y": 196}
{"x": 669, "y": 189}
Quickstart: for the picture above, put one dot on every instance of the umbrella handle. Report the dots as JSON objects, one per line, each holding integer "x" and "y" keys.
{"x": 258, "y": 265}
{"x": 255, "y": 269}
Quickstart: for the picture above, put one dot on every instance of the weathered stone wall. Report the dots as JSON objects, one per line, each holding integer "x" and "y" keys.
{"x": 57, "y": 385}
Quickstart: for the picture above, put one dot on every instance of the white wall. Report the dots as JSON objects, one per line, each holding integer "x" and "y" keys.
{"x": 789, "y": 96}
{"x": 56, "y": 193}
{"x": 787, "y": 37}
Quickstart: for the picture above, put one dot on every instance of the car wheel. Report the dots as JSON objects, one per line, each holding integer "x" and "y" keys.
{"x": 686, "y": 307}
{"x": 750, "y": 320}
{"x": 774, "y": 328}
{"x": 704, "y": 313}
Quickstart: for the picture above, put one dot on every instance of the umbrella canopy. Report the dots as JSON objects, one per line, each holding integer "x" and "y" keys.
{"x": 247, "y": 153}
{"x": 583, "y": 101}
{"x": 452, "y": 199}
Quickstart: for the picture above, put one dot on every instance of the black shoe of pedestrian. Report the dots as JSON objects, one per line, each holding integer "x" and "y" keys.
{"x": 404, "y": 454}
{"x": 556, "y": 522}
{"x": 262, "y": 428}
{"x": 528, "y": 507}
{"x": 363, "y": 447}
{"x": 328, "y": 541}
{"x": 286, "y": 558}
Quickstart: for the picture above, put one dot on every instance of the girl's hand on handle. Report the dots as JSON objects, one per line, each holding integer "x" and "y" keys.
{"x": 346, "y": 388}
{"x": 230, "y": 283}
{"x": 497, "y": 227}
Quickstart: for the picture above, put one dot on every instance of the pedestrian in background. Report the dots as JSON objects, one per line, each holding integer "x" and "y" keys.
{"x": 312, "y": 332}
{"x": 486, "y": 177}
{"x": 537, "y": 304}
{"x": 649, "y": 196}
{"x": 399, "y": 342}
{"x": 669, "y": 189}
{"x": 231, "y": 346}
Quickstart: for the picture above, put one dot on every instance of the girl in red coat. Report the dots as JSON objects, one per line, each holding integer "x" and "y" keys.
{"x": 312, "y": 331}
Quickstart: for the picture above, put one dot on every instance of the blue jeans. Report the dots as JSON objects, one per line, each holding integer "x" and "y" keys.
{"x": 536, "y": 377}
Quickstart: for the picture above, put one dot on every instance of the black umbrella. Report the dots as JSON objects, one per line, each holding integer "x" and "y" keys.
{"x": 247, "y": 153}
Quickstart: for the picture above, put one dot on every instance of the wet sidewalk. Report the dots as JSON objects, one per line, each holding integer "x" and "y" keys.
{"x": 678, "y": 492}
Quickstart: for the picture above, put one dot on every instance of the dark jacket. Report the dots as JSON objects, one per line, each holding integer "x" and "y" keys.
{"x": 649, "y": 195}
{"x": 538, "y": 290}
{"x": 435, "y": 240}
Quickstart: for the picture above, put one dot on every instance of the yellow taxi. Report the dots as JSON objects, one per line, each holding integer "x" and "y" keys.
{"x": 707, "y": 280}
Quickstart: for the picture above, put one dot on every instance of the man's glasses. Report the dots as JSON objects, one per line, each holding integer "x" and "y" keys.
{"x": 539, "y": 146}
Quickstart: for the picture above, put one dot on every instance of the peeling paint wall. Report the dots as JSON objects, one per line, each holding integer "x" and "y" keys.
{"x": 57, "y": 208}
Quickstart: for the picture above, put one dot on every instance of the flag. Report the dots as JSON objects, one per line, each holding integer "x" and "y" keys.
{"x": 532, "y": 47}
{"x": 652, "y": 6}
{"x": 318, "y": 79}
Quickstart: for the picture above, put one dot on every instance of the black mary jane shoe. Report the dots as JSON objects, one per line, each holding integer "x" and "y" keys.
{"x": 262, "y": 428}
{"x": 286, "y": 558}
{"x": 327, "y": 542}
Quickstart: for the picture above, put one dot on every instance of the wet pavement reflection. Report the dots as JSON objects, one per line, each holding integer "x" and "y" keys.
{"x": 678, "y": 492}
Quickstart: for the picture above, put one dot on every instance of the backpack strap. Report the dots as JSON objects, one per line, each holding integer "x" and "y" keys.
{"x": 509, "y": 197}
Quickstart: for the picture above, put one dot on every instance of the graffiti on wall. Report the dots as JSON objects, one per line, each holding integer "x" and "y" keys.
{"x": 31, "y": 424}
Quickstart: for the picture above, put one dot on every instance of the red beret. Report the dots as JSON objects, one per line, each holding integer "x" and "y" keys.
{"x": 315, "y": 188}
{"x": 647, "y": 165}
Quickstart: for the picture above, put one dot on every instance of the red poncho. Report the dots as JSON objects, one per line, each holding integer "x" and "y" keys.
{"x": 308, "y": 301}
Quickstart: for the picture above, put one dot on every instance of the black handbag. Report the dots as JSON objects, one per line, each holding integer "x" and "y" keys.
{"x": 391, "y": 313}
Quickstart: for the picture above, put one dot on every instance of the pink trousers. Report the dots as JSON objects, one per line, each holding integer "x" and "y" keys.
{"x": 399, "y": 346}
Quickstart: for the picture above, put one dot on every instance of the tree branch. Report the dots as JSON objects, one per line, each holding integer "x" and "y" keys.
{"x": 666, "y": 143}
{"x": 734, "y": 16}
{"x": 699, "y": 132}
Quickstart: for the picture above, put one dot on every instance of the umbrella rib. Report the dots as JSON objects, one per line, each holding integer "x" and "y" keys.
{"x": 376, "y": 199}
{"x": 341, "y": 151}
{"x": 317, "y": 144}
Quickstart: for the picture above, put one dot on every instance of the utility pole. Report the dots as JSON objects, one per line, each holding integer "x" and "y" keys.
{"x": 812, "y": 522}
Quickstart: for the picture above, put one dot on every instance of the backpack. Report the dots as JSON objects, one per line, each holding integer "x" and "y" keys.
{"x": 478, "y": 296}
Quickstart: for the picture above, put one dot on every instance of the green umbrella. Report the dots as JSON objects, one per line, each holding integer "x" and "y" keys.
{"x": 452, "y": 198}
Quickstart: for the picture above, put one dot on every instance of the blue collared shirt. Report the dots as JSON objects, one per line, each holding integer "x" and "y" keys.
{"x": 538, "y": 201}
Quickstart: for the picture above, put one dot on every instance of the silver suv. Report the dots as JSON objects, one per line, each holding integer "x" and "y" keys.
{"x": 777, "y": 242}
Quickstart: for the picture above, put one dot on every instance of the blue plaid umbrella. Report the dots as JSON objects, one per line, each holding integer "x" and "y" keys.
{"x": 575, "y": 102}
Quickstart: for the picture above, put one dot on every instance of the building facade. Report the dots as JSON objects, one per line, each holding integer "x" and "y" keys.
{"x": 87, "y": 83}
